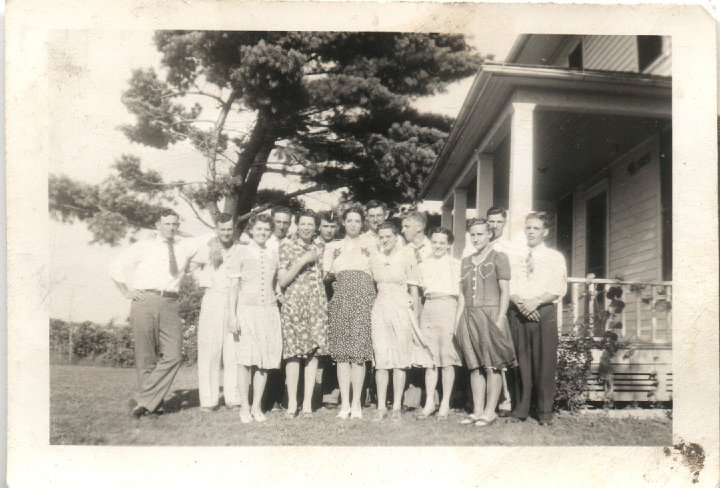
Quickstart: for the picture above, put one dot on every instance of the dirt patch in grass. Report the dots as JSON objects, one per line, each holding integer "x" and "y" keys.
{"x": 88, "y": 405}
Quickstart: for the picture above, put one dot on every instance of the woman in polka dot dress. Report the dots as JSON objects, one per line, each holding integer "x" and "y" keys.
{"x": 304, "y": 309}
{"x": 349, "y": 336}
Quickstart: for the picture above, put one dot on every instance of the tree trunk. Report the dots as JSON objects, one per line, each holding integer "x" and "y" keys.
{"x": 251, "y": 166}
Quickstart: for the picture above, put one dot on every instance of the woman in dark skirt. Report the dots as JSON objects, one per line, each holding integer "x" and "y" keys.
{"x": 349, "y": 339}
{"x": 482, "y": 331}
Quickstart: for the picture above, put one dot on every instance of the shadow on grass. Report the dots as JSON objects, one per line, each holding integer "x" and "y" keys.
{"x": 182, "y": 400}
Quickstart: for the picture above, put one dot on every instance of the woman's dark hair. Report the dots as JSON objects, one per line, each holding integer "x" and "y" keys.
{"x": 476, "y": 221}
{"x": 388, "y": 225}
{"x": 442, "y": 230}
{"x": 264, "y": 218}
{"x": 330, "y": 216}
{"x": 308, "y": 213}
{"x": 354, "y": 209}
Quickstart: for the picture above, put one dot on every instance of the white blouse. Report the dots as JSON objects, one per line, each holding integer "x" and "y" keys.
{"x": 348, "y": 254}
{"x": 440, "y": 276}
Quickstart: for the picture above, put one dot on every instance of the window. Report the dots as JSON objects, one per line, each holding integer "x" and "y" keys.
{"x": 596, "y": 237}
{"x": 575, "y": 59}
{"x": 649, "y": 49}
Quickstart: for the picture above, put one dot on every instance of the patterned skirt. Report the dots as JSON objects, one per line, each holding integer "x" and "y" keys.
{"x": 304, "y": 320}
{"x": 482, "y": 342}
{"x": 349, "y": 337}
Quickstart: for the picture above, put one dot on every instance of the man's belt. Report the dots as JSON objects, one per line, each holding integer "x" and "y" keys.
{"x": 163, "y": 293}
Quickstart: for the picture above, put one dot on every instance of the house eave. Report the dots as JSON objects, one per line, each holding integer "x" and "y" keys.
{"x": 492, "y": 90}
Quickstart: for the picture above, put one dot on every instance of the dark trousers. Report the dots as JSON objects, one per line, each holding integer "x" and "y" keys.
{"x": 158, "y": 337}
{"x": 536, "y": 350}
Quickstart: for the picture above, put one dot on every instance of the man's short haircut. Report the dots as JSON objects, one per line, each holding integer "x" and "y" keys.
{"x": 166, "y": 212}
{"x": 354, "y": 209}
{"x": 283, "y": 210}
{"x": 330, "y": 216}
{"x": 307, "y": 212}
{"x": 541, "y": 216}
{"x": 417, "y": 216}
{"x": 476, "y": 221}
{"x": 264, "y": 218}
{"x": 375, "y": 204}
{"x": 442, "y": 230}
{"x": 497, "y": 211}
{"x": 388, "y": 225}
{"x": 224, "y": 217}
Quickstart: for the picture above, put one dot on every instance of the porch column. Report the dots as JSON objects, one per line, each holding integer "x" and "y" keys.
{"x": 446, "y": 218}
{"x": 484, "y": 185}
{"x": 459, "y": 208}
{"x": 521, "y": 166}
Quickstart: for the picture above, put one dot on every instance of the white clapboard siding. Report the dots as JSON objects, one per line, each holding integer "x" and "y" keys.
{"x": 613, "y": 53}
{"x": 634, "y": 234}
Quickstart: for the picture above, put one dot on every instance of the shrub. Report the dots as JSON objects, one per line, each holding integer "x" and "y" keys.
{"x": 574, "y": 358}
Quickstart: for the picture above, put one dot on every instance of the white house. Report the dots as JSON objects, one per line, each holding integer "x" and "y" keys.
{"x": 580, "y": 127}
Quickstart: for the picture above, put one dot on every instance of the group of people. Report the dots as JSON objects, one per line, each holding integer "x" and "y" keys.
{"x": 391, "y": 298}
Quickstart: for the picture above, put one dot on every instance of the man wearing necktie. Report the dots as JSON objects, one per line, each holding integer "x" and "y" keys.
{"x": 539, "y": 278}
{"x": 158, "y": 266}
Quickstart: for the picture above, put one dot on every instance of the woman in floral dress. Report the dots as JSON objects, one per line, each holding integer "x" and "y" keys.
{"x": 304, "y": 309}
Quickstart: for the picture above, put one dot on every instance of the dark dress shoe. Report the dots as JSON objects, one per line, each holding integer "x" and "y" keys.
{"x": 503, "y": 413}
{"x": 513, "y": 417}
{"x": 160, "y": 410}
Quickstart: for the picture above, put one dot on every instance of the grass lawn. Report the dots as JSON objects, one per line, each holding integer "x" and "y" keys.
{"x": 89, "y": 405}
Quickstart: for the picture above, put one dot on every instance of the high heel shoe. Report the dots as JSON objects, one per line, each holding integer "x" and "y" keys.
{"x": 343, "y": 414}
{"x": 245, "y": 418}
{"x": 356, "y": 414}
{"x": 380, "y": 415}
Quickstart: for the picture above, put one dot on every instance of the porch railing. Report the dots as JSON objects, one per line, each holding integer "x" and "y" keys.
{"x": 645, "y": 314}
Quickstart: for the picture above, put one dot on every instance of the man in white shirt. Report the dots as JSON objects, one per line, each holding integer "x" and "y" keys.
{"x": 282, "y": 218}
{"x": 413, "y": 229}
{"x": 539, "y": 278}
{"x": 159, "y": 265}
{"x": 376, "y": 213}
{"x": 215, "y": 344}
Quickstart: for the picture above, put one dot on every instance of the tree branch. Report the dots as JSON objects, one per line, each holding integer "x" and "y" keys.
{"x": 197, "y": 214}
{"x": 218, "y": 131}
{"x": 287, "y": 196}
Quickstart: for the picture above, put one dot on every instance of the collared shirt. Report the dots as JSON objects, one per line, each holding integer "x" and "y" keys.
{"x": 422, "y": 251}
{"x": 256, "y": 267}
{"x": 538, "y": 270}
{"x": 440, "y": 276}
{"x": 149, "y": 261}
{"x": 348, "y": 254}
{"x": 399, "y": 267}
{"x": 210, "y": 277}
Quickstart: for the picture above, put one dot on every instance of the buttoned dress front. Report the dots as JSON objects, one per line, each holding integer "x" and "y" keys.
{"x": 260, "y": 341}
{"x": 304, "y": 313}
{"x": 484, "y": 344}
{"x": 397, "y": 340}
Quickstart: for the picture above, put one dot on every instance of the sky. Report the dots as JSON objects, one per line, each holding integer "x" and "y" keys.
{"x": 88, "y": 72}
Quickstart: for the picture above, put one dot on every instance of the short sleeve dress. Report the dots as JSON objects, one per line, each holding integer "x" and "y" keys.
{"x": 482, "y": 342}
{"x": 349, "y": 338}
{"x": 260, "y": 341}
{"x": 304, "y": 315}
{"x": 397, "y": 340}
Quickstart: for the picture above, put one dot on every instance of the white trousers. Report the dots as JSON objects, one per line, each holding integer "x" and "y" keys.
{"x": 216, "y": 346}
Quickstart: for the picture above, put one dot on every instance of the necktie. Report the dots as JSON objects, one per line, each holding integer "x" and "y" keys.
{"x": 529, "y": 265}
{"x": 418, "y": 258}
{"x": 173, "y": 259}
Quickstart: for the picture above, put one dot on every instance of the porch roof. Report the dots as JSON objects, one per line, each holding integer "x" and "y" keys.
{"x": 481, "y": 123}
